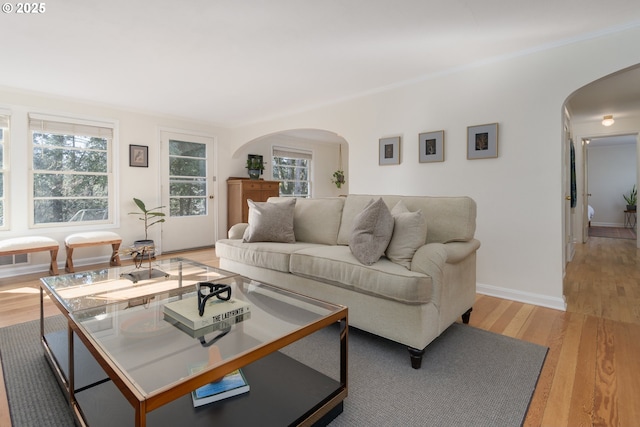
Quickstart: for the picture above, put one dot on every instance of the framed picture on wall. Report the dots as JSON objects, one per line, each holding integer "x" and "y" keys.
{"x": 389, "y": 151}
{"x": 431, "y": 146}
{"x": 139, "y": 156}
{"x": 482, "y": 141}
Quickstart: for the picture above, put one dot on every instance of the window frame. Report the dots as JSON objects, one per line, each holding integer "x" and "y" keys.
{"x": 303, "y": 154}
{"x": 112, "y": 220}
{"x": 5, "y": 124}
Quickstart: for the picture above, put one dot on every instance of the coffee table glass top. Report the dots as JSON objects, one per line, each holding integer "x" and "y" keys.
{"x": 123, "y": 317}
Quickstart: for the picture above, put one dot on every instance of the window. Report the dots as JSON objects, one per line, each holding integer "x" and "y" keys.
{"x": 71, "y": 174}
{"x": 187, "y": 178}
{"x": 293, "y": 169}
{"x": 4, "y": 141}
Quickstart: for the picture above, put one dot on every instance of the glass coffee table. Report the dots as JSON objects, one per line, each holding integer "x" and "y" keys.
{"x": 131, "y": 366}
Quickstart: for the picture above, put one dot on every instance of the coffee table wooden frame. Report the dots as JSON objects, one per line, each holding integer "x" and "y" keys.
{"x": 144, "y": 404}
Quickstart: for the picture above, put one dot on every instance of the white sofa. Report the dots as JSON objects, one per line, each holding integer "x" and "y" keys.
{"x": 411, "y": 304}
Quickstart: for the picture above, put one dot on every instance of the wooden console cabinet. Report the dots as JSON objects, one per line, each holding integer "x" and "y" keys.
{"x": 239, "y": 190}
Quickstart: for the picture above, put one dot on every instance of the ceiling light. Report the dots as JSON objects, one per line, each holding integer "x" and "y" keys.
{"x": 607, "y": 121}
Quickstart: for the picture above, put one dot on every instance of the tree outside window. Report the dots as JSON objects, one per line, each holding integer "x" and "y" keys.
{"x": 293, "y": 170}
{"x": 71, "y": 173}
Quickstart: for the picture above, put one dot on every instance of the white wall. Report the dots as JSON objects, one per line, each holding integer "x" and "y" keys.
{"x": 134, "y": 128}
{"x": 611, "y": 173}
{"x": 520, "y": 195}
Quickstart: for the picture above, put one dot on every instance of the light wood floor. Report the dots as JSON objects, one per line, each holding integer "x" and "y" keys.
{"x": 591, "y": 374}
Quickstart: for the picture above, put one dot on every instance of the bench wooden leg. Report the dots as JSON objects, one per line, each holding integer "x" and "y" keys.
{"x": 53, "y": 267}
{"x": 68, "y": 266}
{"x": 115, "y": 255}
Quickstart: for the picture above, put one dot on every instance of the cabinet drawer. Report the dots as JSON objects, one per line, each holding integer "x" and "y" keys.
{"x": 252, "y": 185}
{"x": 273, "y": 186}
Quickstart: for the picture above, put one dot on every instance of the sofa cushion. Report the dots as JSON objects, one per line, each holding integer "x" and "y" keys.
{"x": 271, "y": 255}
{"x": 372, "y": 230}
{"x": 409, "y": 234}
{"x": 270, "y": 222}
{"x": 336, "y": 265}
{"x": 449, "y": 219}
{"x": 316, "y": 220}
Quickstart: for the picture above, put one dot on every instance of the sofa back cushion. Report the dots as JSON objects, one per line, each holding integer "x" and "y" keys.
{"x": 270, "y": 222}
{"x": 372, "y": 230}
{"x": 316, "y": 220}
{"x": 449, "y": 219}
{"x": 409, "y": 234}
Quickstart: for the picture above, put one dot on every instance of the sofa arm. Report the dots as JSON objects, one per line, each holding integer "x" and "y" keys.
{"x": 431, "y": 258}
{"x": 458, "y": 251}
{"x": 237, "y": 231}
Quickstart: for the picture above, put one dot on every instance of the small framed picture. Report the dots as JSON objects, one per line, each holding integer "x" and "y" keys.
{"x": 482, "y": 141}
{"x": 389, "y": 151}
{"x": 431, "y": 146}
{"x": 139, "y": 156}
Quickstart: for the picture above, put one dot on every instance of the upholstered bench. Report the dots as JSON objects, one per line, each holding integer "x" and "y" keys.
{"x": 30, "y": 244}
{"x": 92, "y": 238}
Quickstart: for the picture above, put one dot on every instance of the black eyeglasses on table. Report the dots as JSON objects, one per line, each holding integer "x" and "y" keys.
{"x": 220, "y": 291}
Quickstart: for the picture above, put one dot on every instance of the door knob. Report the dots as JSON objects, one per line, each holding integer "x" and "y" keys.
{"x": 567, "y": 198}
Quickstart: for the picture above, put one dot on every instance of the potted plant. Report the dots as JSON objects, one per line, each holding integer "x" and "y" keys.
{"x": 338, "y": 178}
{"x": 255, "y": 167}
{"x": 146, "y": 248}
{"x": 631, "y": 198}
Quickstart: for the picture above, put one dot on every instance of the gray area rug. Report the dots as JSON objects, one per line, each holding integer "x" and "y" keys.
{"x": 469, "y": 377}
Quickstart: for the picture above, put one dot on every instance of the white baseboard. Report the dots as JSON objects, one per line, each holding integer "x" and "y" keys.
{"x": 520, "y": 296}
{"x": 606, "y": 224}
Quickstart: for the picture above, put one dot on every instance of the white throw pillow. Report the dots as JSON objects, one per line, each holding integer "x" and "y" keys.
{"x": 371, "y": 233}
{"x": 270, "y": 222}
{"x": 409, "y": 234}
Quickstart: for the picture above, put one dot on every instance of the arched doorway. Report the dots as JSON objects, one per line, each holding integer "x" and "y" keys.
{"x": 329, "y": 153}
{"x": 617, "y": 94}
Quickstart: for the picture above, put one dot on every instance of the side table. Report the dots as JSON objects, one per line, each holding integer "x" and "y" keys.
{"x": 630, "y": 219}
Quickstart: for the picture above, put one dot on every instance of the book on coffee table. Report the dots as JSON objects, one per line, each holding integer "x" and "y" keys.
{"x": 186, "y": 311}
{"x": 233, "y": 384}
{"x": 218, "y": 326}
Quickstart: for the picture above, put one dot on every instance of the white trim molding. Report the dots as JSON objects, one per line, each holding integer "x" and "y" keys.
{"x": 520, "y": 296}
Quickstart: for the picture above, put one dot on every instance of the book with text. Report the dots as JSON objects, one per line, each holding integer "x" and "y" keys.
{"x": 233, "y": 384}
{"x": 218, "y": 326}
{"x": 186, "y": 311}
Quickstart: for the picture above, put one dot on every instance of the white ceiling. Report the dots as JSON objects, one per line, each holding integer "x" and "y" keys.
{"x": 233, "y": 62}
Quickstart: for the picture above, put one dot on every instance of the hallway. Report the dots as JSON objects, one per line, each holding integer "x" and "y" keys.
{"x": 603, "y": 280}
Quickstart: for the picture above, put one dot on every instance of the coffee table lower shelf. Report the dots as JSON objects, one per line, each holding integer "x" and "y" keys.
{"x": 283, "y": 392}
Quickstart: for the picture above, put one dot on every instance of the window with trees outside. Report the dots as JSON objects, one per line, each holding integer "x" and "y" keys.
{"x": 293, "y": 169}
{"x": 4, "y": 139}
{"x": 187, "y": 178}
{"x": 71, "y": 175}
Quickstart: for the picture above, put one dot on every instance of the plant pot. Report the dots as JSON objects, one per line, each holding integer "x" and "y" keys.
{"x": 631, "y": 207}
{"x": 145, "y": 250}
{"x": 254, "y": 173}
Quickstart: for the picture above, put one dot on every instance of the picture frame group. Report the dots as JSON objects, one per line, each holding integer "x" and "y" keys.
{"x": 482, "y": 143}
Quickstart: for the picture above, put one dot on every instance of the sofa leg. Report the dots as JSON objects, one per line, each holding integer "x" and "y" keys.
{"x": 416, "y": 357}
{"x": 466, "y": 316}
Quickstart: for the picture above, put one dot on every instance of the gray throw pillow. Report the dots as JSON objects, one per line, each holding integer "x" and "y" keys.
{"x": 270, "y": 222}
{"x": 372, "y": 230}
{"x": 409, "y": 234}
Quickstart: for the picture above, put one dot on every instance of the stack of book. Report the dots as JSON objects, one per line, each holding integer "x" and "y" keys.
{"x": 233, "y": 384}
{"x": 216, "y": 313}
